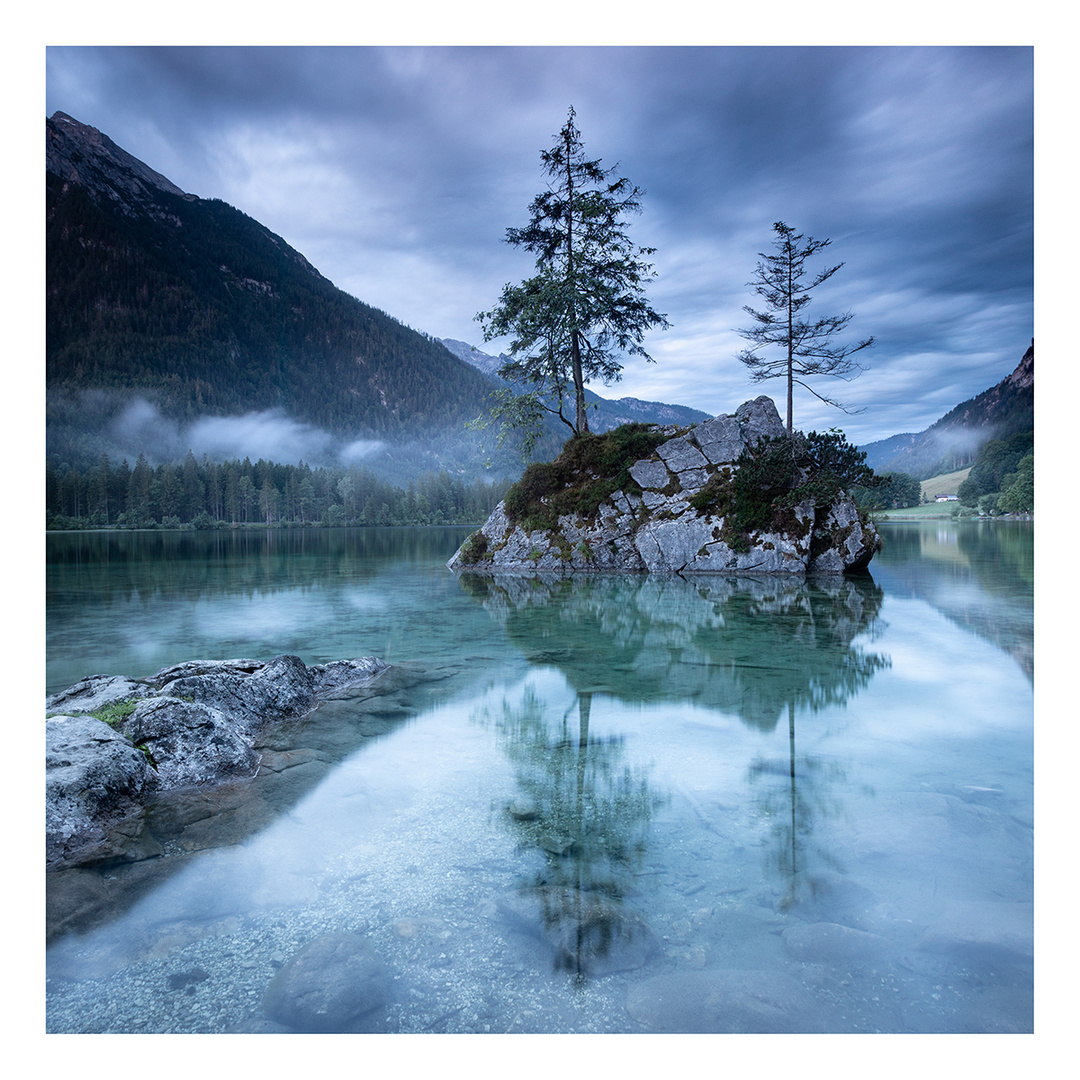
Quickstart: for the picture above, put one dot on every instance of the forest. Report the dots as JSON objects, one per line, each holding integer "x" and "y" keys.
{"x": 235, "y": 494}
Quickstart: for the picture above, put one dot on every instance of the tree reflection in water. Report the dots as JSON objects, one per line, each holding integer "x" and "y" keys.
{"x": 755, "y": 648}
{"x": 806, "y": 794}
{"x": 588, "y": 811}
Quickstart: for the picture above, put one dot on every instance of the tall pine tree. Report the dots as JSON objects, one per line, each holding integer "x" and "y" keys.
{"x": 586, "y": 303}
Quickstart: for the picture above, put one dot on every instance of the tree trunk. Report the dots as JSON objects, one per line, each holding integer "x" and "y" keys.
{"x": 790, "y": 343}
{"x": 581, "y": 418}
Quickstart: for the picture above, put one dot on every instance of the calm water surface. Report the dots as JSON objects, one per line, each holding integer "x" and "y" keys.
{"x": 613, "y": 804}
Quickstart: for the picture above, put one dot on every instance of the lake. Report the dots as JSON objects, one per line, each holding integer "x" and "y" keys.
{"x": 607, "y": 804}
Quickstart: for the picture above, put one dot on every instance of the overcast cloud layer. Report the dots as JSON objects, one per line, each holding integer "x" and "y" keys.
{"x": 396, "y": 171}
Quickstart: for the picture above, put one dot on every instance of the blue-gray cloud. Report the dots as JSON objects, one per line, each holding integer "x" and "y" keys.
{"x": 397, "y": 171}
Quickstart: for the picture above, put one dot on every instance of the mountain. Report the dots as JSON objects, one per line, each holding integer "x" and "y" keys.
{"x": 177, "y": 322}
{"x": 604, "y": 414}
{"x": 953, "y": 441}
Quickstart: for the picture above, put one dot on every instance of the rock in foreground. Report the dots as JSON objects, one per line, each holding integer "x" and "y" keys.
{"x": 111, "y": 740}
{"x": 681, "y": 507}
{"x": 328, "y": 986}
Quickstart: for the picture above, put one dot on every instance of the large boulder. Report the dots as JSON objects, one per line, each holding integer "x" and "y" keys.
{"x": 189, "y": 742}
{"x": 724, "y": 1002}
{"x": 661, "y": 523}
{"x": 281, "y": 688}
{"x": 94, "y": 780}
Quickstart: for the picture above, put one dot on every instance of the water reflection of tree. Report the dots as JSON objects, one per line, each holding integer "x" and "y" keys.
{"x": 756, "y": 648}
{"x": 588, "y": 811}
{"x": 795, "y": 795}
{"x": 745, "y": 646}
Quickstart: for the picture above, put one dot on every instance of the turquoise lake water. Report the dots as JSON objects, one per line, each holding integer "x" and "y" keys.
{"x": 610, "y": 804}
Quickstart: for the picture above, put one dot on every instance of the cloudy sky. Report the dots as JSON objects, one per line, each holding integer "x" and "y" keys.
{"x": 397, "y": 171}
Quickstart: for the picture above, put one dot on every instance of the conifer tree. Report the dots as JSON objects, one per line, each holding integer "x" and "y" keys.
{"x": 806, "y": 346}
{"x": 586, "y": 303}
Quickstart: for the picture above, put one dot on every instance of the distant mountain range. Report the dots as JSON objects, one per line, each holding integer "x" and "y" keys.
{"x": 176, "y": 322}
{"x": 604, "y": 414}
{"x": 953, "y": 441}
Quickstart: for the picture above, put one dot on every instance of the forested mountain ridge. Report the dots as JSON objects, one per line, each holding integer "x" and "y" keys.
{"x": 953, "y": 442}
{"x": 203, "y": 311}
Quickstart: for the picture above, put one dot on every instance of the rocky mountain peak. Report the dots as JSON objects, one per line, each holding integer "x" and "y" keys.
{"x": 1024, "y": 373}
{"x": 79, "y": 154}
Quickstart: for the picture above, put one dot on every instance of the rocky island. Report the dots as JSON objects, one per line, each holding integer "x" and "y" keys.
{"x": 733, "y": 494}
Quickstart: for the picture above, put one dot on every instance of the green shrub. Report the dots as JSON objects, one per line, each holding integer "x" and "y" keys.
{"x": 776, "y": 476}
{"x": 475, "y": 548}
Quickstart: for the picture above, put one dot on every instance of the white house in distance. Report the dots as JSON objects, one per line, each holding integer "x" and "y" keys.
{"x": 944, "y": 498}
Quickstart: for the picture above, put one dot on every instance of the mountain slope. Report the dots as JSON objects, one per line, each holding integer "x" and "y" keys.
{"x": 953, "y": 441}
{"x": 202, "y": 311}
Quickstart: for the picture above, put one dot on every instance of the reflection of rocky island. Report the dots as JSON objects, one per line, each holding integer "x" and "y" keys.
{"x": 745, "y": 646}
{"x": 759, "y": 649}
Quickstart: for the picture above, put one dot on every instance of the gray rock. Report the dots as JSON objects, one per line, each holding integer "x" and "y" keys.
{"x": 329, "y": 985}
{"x": 96, "y": 692}
{"x": 724, "y": 1002}
{"x": 588, "y": 932}
{"x": 681, "y": 454}
{"x": 277, "y": 690}
{"x": 721, "y": 440}
{"x": 197, "y": 721}
{"x": 94, "y": 781}
{"x": 848, "y": 541}
{"x": 650, "y": 474}
{"x": 203, "y": 667}
{"x": 346, "y": 674}
{"x": 191, "y": 743}
{"x": 524, "y": 809}
{"x": 758, "y": 419}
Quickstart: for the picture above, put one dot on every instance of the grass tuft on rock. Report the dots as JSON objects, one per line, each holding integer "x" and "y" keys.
{"x": 588, "y": 469}
{"x": 116, "y": 713}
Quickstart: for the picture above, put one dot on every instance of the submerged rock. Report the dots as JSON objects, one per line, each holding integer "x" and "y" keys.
{"x": 190, "y": 724}
{"x": 674, "y": 517}
{"x": 328, "y": 985}
{"x": 724, "y": 1002}
{"x": 830, "y": 943}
